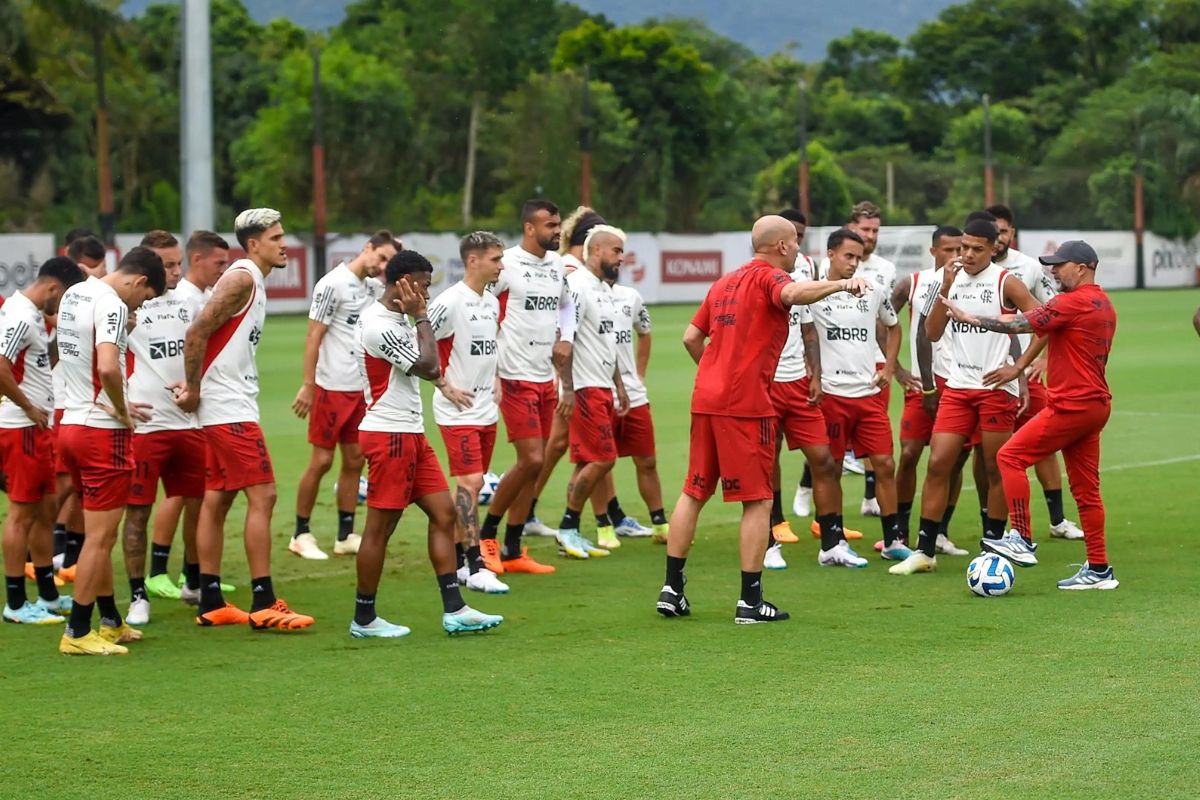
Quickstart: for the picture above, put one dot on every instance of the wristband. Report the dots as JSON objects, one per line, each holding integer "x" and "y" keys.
{"x": 419, "y": 320}
{"x": 928, "y": 392}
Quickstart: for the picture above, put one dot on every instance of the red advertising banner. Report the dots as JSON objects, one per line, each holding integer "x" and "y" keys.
{"x": 691, "y": 267}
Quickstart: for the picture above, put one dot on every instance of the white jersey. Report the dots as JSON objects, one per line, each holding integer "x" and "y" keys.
{"x": 530, "y": 289}
{"x": 922, "y": 293}
{"x": 89, "y": 314}
{"x": 387, "y": 347}
{"x": 25, "y": 342}
{"x": 971, "y": 351}
{"x": 571, "y": 263}
{"x": 155, "y": 359}
{"x": 594, "y": 358}
{"x": 881, "y": 273}
{"x": 792, "y": 366}
{"x": 630, "y": 315}
{"x": 1031, "y": 273}
{"x": 375, "y": 288}
{"x": 229, "y": 382}
{"x": 339, "y": 298}
{"x": 464, "y": 323}
{"x": 846, "y": 332}
{"x": 190, "y": 292}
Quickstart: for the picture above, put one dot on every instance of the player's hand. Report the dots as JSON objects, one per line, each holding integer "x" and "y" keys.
{"x": 498, "y": 391}
{"x": 304, "y": 400}
{"x": 950, "y": 272}
{"x": 141, "y": 412}
{"x": 929, "y": 402}
{"x": 123, "y": 416}
{"x": 957, "y": 313}
{"x": 858, "y": 286}
{"x": 38, "y": 417}
{"x": 186, "y": 398}
{"x": 1023, "y": 388}
{"x": 883, "y": 377}
{"x": 411, "y": 301}
{"x": 622, "y": 402}
{"x": 1037, "y": 370}
{"x": 566, "y": 404}
{"x": 815, "y": 392}
{"x": 461, "y": 398}
{"x": 1005, "y": 374}
{"x": 910, "y": 382}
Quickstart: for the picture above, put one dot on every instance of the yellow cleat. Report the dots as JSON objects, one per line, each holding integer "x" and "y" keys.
{"x": 606, "y": 537}
{"x": 119, "y": 635}
{"x": 93, "y": 644}
{"x": 660, "y": 533}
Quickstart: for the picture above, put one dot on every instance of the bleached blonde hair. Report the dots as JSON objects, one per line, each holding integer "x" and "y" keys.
{"x": 599, "y": 229}
{"x": 252, "y": 222}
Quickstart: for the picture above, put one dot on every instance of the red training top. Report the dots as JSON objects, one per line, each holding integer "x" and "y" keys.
{"x": 747, "y": 325}
{"x": 1080, "y": 325}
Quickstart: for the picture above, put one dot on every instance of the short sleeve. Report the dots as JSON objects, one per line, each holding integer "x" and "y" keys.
{"x": 641, "y": 316}
{"x": 887, "y": 312}
{"x": 702, "y": 319}
{"x": 804, "y": 315}
{"x": 15, "y": 336}
{"x": 111, "y": 317}
{"x": 777, "y": 280}
{"x": 324, "y": 303}
{"x": 931, "y": 298}
{"x": 441, "y": 318}
{"x": 1043, "y": 288}
{"x": 1054, "y": 314}
{"x": 397, "y": 345}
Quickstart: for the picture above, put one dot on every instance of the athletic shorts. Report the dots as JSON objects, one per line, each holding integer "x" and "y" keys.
{"x": 1039, "y": 398}
{"x": 860, "y": 424}
{"x": 802, "y": 424}
{"x": 178, "y": 457}
{"x": 737, "y": 451}
{"x": 967, "y": 412}
{"x": 334, "y": 418}
{"x": 27, "y": 460}
{"x": 635, "y": 433}
{"x": 401, "y": 468}
{"x": 527, "y": 408}
{"x": 100, "y": 463}
{"x": 916, "y": 425}
{"x": 591, "y": 429}
{"x": 469, "y": 447}
{"x": 237, "y": 457}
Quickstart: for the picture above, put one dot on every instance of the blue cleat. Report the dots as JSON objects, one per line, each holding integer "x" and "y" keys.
{"x": 1088, "y": 578}
{"x": 896, "y": 551}
{"x": 378, "y": 628}
{"x": 468, "y": 620}
{"x": 30, "y": 614}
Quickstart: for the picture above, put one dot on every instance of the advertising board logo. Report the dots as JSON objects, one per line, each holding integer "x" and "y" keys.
{"x": 691, "y": 267}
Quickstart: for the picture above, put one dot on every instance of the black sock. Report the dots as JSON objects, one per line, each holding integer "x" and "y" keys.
{"x": 80, "y": 621}
{"x": 570, "y": 520}
{"x": 137, "y": 589}
{"x": 451, "y": 596}
{"x": 904, "y": 511}
{"x": 983, "y": 518}
{"x": 512, "y": 540}
{"x": 45, "y": 582}
{"x": 191, "y": 576}
{"x": 946, "y": 520}
{"x": 1098, "y": 567}
{"x": 831, "y": 533}
{"x": 675, "y": 573}
{"x": 752, "y": 588}
{"x": 927, "y": 537}
{"x": 262, "y": 593}
{"x": 615, "y": 512}
{"x": 474, "y": 559}
{"x": 806, "y": 478}
{"x": 1054, "y": 505}
{"x": 301, "y": 526}
{"x": 603, "y": 521}
{"x": 869, "y": 490}
{"x": 491, "y": 524}
{"x": 15, "y": 590}
{"x": 460, "y": 555}
{"x": 210, "y": 593}
{"x": 107, "y": 606}
{"x": 160, "y": 554}
{"x": 364, "y": 608}
{"x": 891, "y": 528}
{"x": 776, "y": 509}
{"x": 532, "y": 510}
{"x": 74, "y": 545}
{"x": 771, "y": 540}
{"x": 345, "y": 525}
{"x": 658, "y": 517}
{"x": 994, "y": 528}
{"x": 60, "y": 539}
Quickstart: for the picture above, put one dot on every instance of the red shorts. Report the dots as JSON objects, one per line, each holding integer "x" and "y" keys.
{"x": 802, "y": 424}
{"x": 334, "y": 418}
{"x": 100, "y": 463}
{"x": 175, "y": 456}
{"x": 469, "y": 447}
{"x": 591, "y": 429}
{"x": 860, "y": 424}
{"x": 1038, "y": 399}
{"x": 635, "y": 433}
{"x": 527, "y": 408}
{"x": 237, "y": 457}
{"x": 401, "y": 468}
{"x": 739, "y": 451}
{"x": 916, "y": 425}
{"x": 967, "y": 411}
{"x": 27, "y": 459}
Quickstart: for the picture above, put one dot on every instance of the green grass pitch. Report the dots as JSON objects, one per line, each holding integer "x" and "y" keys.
{"x": 878, "y": 687}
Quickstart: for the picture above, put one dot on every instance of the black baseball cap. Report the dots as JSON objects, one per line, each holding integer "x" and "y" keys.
{"x": 1075, "y": 250}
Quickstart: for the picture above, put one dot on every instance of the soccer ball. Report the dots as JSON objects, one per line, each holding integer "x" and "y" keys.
{"x": 362, "y": 489}
{"x": 490, "y": 481}
{"x": 990, "y": 575}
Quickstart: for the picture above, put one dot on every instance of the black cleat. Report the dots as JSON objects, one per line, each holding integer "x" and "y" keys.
{"x": 672, "y": 603}
{"x": 752, "y": 615}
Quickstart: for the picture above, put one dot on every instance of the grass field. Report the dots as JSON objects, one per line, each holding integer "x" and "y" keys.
{"x": 879, "y": 686}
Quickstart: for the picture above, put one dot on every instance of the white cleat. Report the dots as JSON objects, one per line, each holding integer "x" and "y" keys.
{"x": 802, "y": 502}
{"x": 486, "y": 581}
{"x": 917, "y": 562}
{"x": 189, "y": 596}
{"x": 1066, "y": 530}
{"x": 305, "y": 545}
{"x": 139, "y": 612}
{"x": 462, "y": 573}
{"x": 852, "y": 464}
{"x": 869, "y": 508}
{"x": 840, "y": 555}
{"x": 774, "y": 558}
{"x": 347, "y": 546}
{"x": 535, "y": 527}
{"x": 949, "y": 548}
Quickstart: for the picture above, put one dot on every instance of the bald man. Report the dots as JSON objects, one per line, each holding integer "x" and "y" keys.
{"x": 736, "y": 337}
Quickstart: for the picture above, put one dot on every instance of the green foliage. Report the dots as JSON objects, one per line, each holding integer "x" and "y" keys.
{"x": 829, "y": 188}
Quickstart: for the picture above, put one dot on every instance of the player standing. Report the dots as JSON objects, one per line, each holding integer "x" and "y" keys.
{"x": 331, "y": 395}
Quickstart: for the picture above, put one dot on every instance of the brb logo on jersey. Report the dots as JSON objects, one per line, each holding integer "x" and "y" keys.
{"x": 536, "y": 303}
{"x": 483, "y": 347}
{"x": 606, "y": 326}
{"x": 166, "y": 349}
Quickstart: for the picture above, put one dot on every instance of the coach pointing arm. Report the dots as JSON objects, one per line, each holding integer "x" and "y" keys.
{"x": 230, "y": 296}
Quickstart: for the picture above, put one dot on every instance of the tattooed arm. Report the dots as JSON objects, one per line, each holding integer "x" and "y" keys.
{"x": 230, "y": 296}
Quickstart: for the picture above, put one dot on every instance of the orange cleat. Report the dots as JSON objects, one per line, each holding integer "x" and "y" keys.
{"x": 31, "y": 575}
{"x": 67, "y": 574}
{"x": 229, "y": 615}
{"x": 524, "y": 563}
{"x": 783, "y": 533}
{"x": 847, "y": 533}
{"x": 490, "y": 549}
{"x": 279, "y": 616}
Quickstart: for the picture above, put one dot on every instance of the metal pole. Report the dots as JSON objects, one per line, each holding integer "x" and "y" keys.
{"x": 804, "y": 207}
{"x": 318, "y": 155}
{"x": 103, "y": 165}
{"x": 1139, "y": 208}
{"x": 989, "y": 194}
{"x": 196, "y": 127}
{"x": 891, "y": 186}
{"x": 585, "y": 142}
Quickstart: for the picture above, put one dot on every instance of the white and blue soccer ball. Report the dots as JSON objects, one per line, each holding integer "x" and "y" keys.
{"x": 362, "y": 489}
{"x": 490, "y": 481}
{"x": 990, "y": 575}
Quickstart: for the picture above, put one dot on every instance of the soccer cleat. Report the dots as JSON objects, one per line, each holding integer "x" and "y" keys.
{"x": 661, "y": 532}
{"x": 57, "y": 561}
{"x": 869, "y": 507}
{"x": 879, "y": 546}
{"x": 347, "y": 546}
{"x": 592, "y": 550}
{"x": 1012, "y": 547}
{"x": 468, "y": 620}
{"x": 917, "y": 562}
{"x": 462, "y": 573}
{"x": 840, "y": 555}
{"x": 523, "y": 563}
{"x": 189, "y": 596}
{"x": 1088, "y": 578}
{"x": 486, "y": 581}
{"x": 606, "y": 537}
{"x": 305, "y": 545}
{"x": 896, "y": 551}
{"x": 783, "y": 533}
{"x": 67, "y": 574}
{"x": 278, "y": 615}
{"x": 570, "y": 544}
{"x": 535, "y": 527}
{"x": 139, "y": 612}
{"x": 847, "y": 533}
{"x": 633, "y": 529}
{"x": 61, "y": 605}
{"x": 91, "y": 644}
{"x": 774, "y": 558}
{"x": 228, "y": 615}
{"x": 947, "y": 547}
{"x": 161, "y": 585}
{"x": 31, "y": 575}
{"x": 31, "y": 614}
{"x": 378, "y": 628}
{"x": 746, "y": 614}
{"x": 802, "y": 502}
{"x": 226, "y": 588}
{"x": 490, "y": 549}
{"x": 672, "y": 603}
{"x": 119, "y": 634}
{"x": 852, "y": 464}
{"x": 1066, "y": 530}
